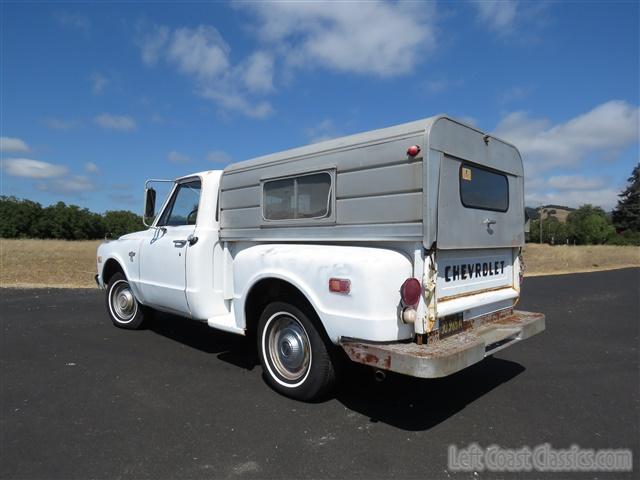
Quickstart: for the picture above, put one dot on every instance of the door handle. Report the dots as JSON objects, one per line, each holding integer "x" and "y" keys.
{"x": 179, "y": 243}
{"x": 488, "y": 222}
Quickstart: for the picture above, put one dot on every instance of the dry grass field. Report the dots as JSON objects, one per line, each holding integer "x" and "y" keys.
{"x": 547, "y": 260}
{"x": 50, "y": 263}
{"x": 59, "y": 263}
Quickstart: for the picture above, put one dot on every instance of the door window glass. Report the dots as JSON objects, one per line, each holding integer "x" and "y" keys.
{"x": 183, "y": 208}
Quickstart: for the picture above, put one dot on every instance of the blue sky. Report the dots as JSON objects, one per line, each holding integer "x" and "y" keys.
{"x": 98, "y": 97}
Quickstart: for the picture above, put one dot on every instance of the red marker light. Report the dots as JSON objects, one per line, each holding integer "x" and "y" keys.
{"x": 339, "y": 285}
{"x": 413, "y": 150}
{"x": 410, "y": 292}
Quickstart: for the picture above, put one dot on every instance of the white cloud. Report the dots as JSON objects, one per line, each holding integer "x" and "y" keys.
{"x": 324, "y": 130}
{"x": 25, "y": 167}
{"x": 60, "y": 124}
{"x": 218, "y": 156}
{"x": 519, "y": 22}
{"x": 607, "y": 128}
{"x": 553, "y": 152}
{"x": 377, "y": 38}
{"x": 576, "y": 182}
{"x": 74, "y": 185}
{"x": 152, "y": 44}
{"x": 12, "y": 144}
{"x": 177, "y": 157}
{"x": 115, "y": 122}
{"x": 98, "y": 83}
{"x": 202, "y": 54}
{"x": 258, "y": 72}
{"x": 498, "y": 15}
{"x": 381, "y": 38}
{"x": 235, "y": 101}
{"x": 91, "y": 167}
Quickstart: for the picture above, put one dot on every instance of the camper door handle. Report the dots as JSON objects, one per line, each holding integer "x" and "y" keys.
{"x": 179, "y": 243}
{"x": 488, "y": 221}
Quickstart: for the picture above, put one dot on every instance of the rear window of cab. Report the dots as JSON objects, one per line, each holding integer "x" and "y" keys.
{"x": 483, "y": 189}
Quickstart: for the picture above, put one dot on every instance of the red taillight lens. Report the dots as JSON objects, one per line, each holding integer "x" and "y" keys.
{"x": 410, "y": 292}
{"x": 339, "y": 285}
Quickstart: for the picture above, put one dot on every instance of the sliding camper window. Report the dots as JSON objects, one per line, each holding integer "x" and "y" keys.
{"x": 484, "y": 189}
{"x": 303, "y": 196}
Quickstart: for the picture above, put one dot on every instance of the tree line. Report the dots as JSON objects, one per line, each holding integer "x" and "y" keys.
{"x": 27, "y": 219}
{"x": 590, "y": 225}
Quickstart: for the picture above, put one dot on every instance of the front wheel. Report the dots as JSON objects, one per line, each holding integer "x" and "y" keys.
{"x": 294, "y": 356}
{"x": 124, "y": 309}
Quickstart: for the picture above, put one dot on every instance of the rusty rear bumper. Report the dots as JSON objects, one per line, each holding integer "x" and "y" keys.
{"x": 447, "y": 356}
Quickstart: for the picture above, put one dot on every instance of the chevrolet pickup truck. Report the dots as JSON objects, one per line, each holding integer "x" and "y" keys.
{"x": 397, "y": 248}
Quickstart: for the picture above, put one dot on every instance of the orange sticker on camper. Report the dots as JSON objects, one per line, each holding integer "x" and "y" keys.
{"x": 466, "y": 174}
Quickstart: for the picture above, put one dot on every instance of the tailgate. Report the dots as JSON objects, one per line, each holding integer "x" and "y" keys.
{"x": 462, "y": 272}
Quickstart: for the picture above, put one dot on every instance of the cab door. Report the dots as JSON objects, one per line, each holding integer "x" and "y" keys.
{"x": 163, "y": 255}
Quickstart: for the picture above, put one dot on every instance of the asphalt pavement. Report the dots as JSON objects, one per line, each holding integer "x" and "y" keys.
{"x": 83, "y": 399}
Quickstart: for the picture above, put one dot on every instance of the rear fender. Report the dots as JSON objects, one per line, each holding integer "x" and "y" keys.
{"x": 369, "y": 311}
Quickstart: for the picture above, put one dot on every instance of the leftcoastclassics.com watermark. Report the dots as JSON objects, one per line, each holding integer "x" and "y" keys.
{"x": 541, "y": 458}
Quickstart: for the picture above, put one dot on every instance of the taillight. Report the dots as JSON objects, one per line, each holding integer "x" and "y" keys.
{"x": 410, "y": 292}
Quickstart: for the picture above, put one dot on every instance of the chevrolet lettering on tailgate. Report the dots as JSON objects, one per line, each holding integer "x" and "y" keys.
{"x": 473, "y": 270}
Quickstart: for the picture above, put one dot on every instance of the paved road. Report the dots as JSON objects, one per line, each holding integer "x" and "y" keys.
{"x": 83, "y": 399}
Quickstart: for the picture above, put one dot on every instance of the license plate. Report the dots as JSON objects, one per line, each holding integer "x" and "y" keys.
{"x": 450, "y": 325}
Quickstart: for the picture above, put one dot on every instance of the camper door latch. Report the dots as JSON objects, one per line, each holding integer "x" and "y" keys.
{"x": 488, "y": 222}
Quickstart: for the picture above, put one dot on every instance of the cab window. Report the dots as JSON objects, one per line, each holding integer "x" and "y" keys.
{"x": 183, "y": 206}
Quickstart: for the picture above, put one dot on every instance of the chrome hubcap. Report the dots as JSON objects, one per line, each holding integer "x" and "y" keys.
{"x": 289, "y": 348}
{"x": 123, "y": 302}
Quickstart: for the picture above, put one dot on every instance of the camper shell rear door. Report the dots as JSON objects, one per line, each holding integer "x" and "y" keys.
{"x": 480, "y": 213}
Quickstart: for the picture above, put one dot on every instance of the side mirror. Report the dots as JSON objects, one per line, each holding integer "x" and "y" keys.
{"x": 149, "y": 204}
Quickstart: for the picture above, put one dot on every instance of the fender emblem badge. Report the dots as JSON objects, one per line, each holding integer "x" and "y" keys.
{"x": 131, "y": 255}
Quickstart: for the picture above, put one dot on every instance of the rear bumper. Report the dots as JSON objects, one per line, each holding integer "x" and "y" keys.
{"x": 449, "y": 355}
{"x": 99, "y": 282}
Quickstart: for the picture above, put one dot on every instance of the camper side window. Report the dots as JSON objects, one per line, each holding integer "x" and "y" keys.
{"x": 483, "y": 189}
{"x": 304, "y": 196}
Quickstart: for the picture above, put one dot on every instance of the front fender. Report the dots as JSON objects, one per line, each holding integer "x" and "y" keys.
{"x": 118, "y": 250}
{"x": 371, "y": 309}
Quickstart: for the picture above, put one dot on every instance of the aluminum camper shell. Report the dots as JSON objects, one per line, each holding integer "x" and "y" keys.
{"x": 379, "y": 191}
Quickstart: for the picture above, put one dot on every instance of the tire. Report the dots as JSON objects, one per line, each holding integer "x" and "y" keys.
{"x": 295, "y": 357}
{"x": 123, "y": 308}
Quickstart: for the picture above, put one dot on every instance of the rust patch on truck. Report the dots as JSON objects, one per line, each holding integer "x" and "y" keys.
{"x": 361, "y": 354}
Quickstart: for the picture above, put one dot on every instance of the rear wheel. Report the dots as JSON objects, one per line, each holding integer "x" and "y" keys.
{"x": 294, "y": 356}
{"x": 123, "y": 308}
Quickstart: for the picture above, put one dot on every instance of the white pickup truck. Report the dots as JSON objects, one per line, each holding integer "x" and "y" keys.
{"x": 399, "y": 247}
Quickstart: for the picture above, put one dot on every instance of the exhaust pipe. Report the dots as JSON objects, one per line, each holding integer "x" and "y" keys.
{"x": 380, "y": 375}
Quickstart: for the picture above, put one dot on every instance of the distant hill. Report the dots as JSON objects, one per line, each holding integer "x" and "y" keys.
{"x": 560, "y": 212}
